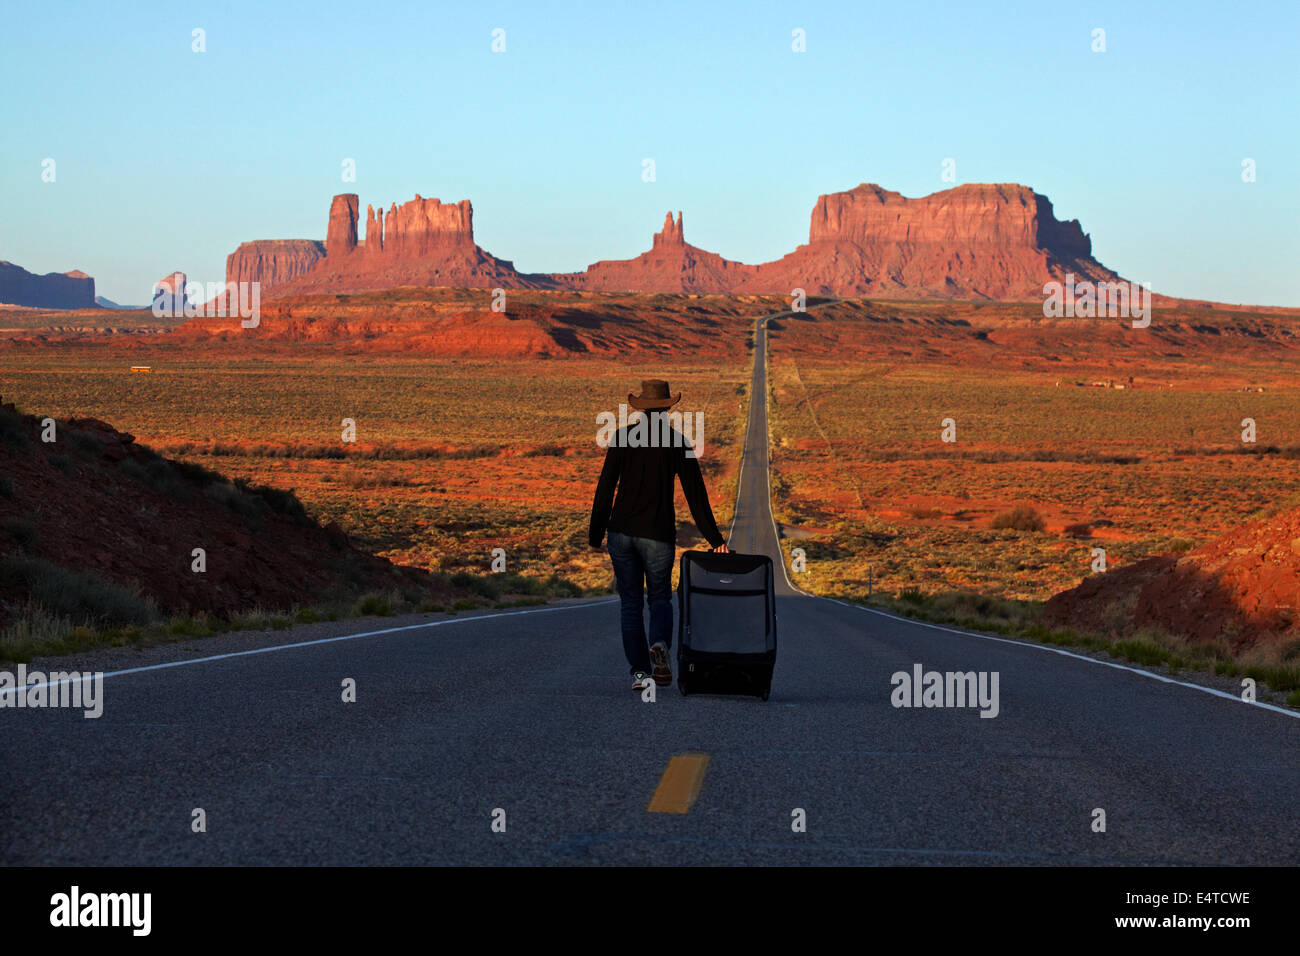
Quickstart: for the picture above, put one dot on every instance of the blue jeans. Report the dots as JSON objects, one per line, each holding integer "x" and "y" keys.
{"x": 635, "y": 560}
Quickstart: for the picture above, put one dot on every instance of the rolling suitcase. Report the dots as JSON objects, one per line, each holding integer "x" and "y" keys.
{"x": 726, "y": 625}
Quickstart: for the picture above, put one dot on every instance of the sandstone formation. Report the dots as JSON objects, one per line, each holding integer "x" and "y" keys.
{"x": 671, "y": 265}
{"x": 273, "y": 262}
{"x": 671, "y": 233}
{"x": 973, "y": 241}
{"x": 341, "y": 234}
{"x": 424, "y": 242}
{"x": 169, "y": 294}
{"x": 976, "y": 241}
{"x": 68, "y": 290}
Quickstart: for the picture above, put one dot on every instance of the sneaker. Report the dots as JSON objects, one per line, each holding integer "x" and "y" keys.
{"x": 640, "y": 681}
{"x": 663, "y": 670}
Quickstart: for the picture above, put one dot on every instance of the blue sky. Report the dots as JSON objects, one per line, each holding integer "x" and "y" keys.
{"x": 167, "y": 159}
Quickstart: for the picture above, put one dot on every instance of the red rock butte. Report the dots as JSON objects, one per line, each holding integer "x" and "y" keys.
{"x": 54, "y": 290}
{"x": 976, "y": 241}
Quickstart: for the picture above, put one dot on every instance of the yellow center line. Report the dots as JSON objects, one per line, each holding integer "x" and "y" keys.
{"x": 680, "y": 784}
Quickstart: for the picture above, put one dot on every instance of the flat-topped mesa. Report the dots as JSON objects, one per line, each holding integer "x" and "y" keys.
{"x": 341, "y": 237}
{"x": 979, "y": 240}
{"x": 273, "y": 262}
{"x": 425, "y": 226}
{"x": 671, "y": 234}
{"x": 67, "y": 290}
{"x": 989, "y": 214}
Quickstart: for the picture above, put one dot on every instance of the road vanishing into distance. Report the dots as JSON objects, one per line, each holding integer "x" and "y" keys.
{"x": 513, "y": 737}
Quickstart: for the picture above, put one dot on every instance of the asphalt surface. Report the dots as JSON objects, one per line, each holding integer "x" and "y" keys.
{"x": 531, "y": 713}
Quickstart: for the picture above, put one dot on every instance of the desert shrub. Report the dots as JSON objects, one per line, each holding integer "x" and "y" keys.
{"x": 6, "y": 486}
{"x": 278, "y": 500}
{"x": 363, "y": 478}
{"x": 1019, "y": 518}
{"x": 375, "y": 604}
{"x": 62, "y": 462}
{"x": 82, "y": 597}
{"x": 163, "y": 478}
{"x": 482, "y": 585}
{"x": 196, "y": 473}
{"x": 556, "y": 586}
{"x": 158, "y": 475}
{"x": 196, "y": 625}
{"x": 31, "y": 631}
{"x": 548, "y": 450}
{"x": 1143, "y": 652}
{"x": 250, "y": 507}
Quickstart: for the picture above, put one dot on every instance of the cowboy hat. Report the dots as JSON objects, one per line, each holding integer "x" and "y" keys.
{"x": 654, "y": 396}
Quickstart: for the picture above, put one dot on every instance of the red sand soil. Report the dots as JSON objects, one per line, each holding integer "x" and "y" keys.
{"x": 1243, "y": 586}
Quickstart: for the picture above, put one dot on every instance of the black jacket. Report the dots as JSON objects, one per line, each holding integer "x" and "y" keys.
{"x": 644, "y": 505}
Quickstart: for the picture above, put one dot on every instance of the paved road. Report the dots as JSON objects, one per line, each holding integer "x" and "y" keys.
{"x": 530, "y": 713}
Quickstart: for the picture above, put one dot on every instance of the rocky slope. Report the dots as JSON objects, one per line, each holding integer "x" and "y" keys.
{"x": 97, "y": 504}
{"x": 1242, "y": 588}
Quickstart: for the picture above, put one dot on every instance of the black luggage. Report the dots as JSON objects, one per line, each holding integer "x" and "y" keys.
{"x": 727, "y": 624}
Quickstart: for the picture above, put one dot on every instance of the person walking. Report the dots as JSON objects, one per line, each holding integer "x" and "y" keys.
{"x": 634, "y": 504}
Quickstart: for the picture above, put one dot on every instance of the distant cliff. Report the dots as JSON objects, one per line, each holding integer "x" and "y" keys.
{"x": 273, "y": 262}
{"x": 977, "y": 241}
{"x": 972, "y": 241}
{"x": 424, "y": 242}
{"x": 55, "y": 290}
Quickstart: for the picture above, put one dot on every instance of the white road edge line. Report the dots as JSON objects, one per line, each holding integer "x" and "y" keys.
{"x": 322, "y": 640}
{"x": 987, "y": 637}
{"x": 1057, "y": 650}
